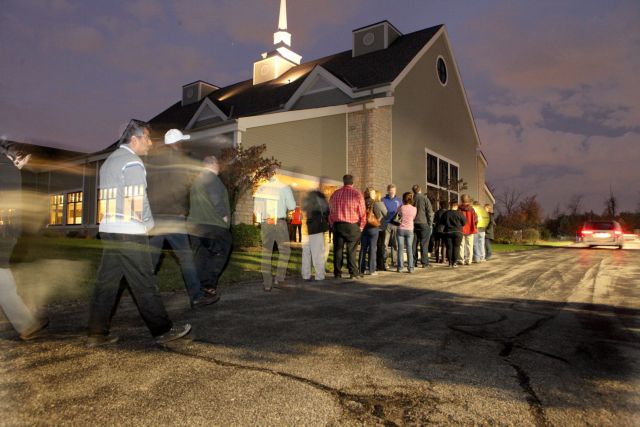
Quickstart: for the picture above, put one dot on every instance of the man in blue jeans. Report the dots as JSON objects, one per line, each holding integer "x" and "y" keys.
{"x": 169, "y": 175}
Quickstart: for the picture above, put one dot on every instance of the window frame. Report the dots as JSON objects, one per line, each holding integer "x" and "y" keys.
{"x": 450, "y": 163}
{"x": 75, "y": 203}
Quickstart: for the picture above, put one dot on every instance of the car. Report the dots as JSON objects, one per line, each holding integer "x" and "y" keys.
{"x": 602, "y": 233}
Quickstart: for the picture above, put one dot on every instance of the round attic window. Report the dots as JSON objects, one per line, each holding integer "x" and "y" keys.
{"x": 264, "y": 70}
{"x": 190, "y": 92}
{"x": 441, "y": 68}
{"x": 368, "y": 39}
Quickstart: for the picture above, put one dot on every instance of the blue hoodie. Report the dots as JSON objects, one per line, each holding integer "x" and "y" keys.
{"x": 392, "y": 206}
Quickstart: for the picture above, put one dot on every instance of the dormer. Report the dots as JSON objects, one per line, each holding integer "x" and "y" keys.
{"x": 374, "y": 37}
{"x": 196, "y": 91}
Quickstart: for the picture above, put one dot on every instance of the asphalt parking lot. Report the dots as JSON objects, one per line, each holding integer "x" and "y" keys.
{"x": 544, "y": 337}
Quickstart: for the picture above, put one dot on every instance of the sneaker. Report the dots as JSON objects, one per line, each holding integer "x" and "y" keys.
{"x": 175, "y": 333}
{"x": 375, "y": 273}
{"x": 34, "y": 330}
{"x": 207, "y": 298}
{"x": 99, "y": 340}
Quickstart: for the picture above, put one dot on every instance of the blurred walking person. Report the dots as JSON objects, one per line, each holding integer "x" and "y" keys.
{"x": 316, "y": 210}
{"x": 209, "y": 225}
{"x": 21, "y": 318}
{"x": 126, "y": 252}
{"x": 272, "y": 201}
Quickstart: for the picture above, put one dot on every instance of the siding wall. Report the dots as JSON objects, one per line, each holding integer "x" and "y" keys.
{"x": 429, "y": 115}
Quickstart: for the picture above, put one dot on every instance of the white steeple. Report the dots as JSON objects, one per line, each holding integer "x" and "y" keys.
{"x": 277, "y": 62}
{"x": 282, "y": 35}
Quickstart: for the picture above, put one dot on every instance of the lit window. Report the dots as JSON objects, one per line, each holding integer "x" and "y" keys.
{"x": 133, "y": 200}
{"x": 106, "y": 203}
{"x": 74, "y": 208}
{"x": 56, "y": 209}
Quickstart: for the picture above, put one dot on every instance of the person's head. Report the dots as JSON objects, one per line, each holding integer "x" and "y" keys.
{"x": 137, "y": 137}
{"x": 488, "y": 208}
{"x": 173, "y": 136}
{"x": 466, "y": 199}
{"x": 370, "y": 193}
{"x": 407, "y": 198}
{"x": 347, "y": 179}
{"x": 416, "y": 189}
{"x": 14, "y": 153}
{"x": 476, "y": 203}
{"x": 211, "y": 163}
{"x": 443, "y": 204}
{"x": 453, "y": 206}
{"x": 391, "y": 190}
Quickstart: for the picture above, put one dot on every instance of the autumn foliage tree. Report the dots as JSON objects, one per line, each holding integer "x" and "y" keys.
{"x": 242, "y": 169}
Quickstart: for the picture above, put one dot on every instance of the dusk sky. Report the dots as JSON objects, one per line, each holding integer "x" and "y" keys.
{"x": 553, "y": 85}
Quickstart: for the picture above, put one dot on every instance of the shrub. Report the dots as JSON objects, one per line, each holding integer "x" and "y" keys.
{"x": 245, "y": 235}
{"x": 530, "y": 235}
{"x": 506, "y": 235}
{"x": 545, "y": 234}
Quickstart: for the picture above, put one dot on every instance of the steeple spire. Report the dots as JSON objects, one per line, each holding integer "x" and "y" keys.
{"x": 282, "y": 22}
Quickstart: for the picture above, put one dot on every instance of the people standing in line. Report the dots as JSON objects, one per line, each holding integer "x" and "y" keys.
{"x": 296, "y": 224}
{"x": 347, "y": 217}
{"x": 405, "y": 232}
{"x": 126, "y": 251}
{"x": 272, "y": 201}
{"x": 316, "y": 210}
{"x": 422, "y": 226}
{"x": 21, "y": 318}
{"x": 169, "y": 177}
{"x": 439, "y": 247}
{"x": 453, "y": 221}
{"x": 376, "y": 211}
{"x": 209, "y": 225}
{"x": 478, "y": 241}
{"x": 388, "y": 230}
{"x": 469, "y": 231}
{"x": 489, "y": 233}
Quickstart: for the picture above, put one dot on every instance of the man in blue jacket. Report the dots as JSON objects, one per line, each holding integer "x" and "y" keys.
{"x": 388, "y": 230}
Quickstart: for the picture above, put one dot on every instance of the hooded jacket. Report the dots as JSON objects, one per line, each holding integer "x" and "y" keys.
{"x": 471, "y": 226}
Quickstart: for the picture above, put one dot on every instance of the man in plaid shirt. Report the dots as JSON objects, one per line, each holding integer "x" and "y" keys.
{"x": 347, "y": 217}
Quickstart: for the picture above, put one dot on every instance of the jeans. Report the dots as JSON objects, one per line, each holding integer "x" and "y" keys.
{"x": 405, "y": 238}
{"x": 277, "y": 233}
{"x": 452, "y": 241}
{"x": 369, "y": 246}
{"x": 422, "y": 235}
{"x": 349, "y": 234}
{"x": 478, "y": 247}
{"x": 126, "y": 256}
{"x": 387, "y": 236}
{"x": 179, "y": 242}
{"x": 211, "y": 250}
{"x": 313, "y": 253}
{"x": 487, "y": 249}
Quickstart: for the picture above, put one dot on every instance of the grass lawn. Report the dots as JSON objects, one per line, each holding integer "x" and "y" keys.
{"x": 55, "y": 269}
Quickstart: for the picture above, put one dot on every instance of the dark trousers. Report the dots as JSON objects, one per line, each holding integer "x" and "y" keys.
{"x": 439, "y": 246}
{"x": 211, "y": 252}
{"x": 345, "y": 234}
{"x": 453, "y": 241}
{"x": 296, "y": 232}
{"x": 421, "y": 236}
{"x": 179, "y": 242}
{"x": 126, "y": 256}
{"x": 487, "y": 248}
{"x": 369, "y": 246}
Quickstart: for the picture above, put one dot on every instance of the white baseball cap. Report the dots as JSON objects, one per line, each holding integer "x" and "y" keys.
{"x": 174, "y": 135}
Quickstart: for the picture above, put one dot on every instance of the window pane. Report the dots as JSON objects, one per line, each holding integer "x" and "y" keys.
{"x": 444, "y": 174}
{"x": 454, "y": 177}
{"x": 432, "y": 169}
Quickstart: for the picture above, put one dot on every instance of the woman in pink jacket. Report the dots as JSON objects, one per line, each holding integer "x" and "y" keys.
{"x": 405, "y": 231}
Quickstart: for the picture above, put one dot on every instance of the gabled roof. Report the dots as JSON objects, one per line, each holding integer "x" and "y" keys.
{"x": 244, "y": 99}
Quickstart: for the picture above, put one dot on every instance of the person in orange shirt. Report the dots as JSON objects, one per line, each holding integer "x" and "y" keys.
{"x": 296, "y": 224}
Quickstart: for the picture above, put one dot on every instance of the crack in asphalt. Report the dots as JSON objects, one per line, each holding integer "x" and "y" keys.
{"x": 394, "y": 410}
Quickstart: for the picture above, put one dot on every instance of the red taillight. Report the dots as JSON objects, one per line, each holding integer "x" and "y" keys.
{"x": 586, "y": 232}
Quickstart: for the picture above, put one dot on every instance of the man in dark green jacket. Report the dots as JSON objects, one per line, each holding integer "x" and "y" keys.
{"x": 209, "y": 224}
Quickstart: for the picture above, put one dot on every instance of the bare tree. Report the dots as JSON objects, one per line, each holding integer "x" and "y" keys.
{"x": 508, "y": 201}
{"x": 575, "y": 204}
{"x": 611, "y": 205}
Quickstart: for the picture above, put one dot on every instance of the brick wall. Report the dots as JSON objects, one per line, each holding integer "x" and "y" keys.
{"x": 369, "y": 147}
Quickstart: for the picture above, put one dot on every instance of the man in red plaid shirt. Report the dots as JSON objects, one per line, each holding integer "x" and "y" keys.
{"x": 347, "y": 218}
